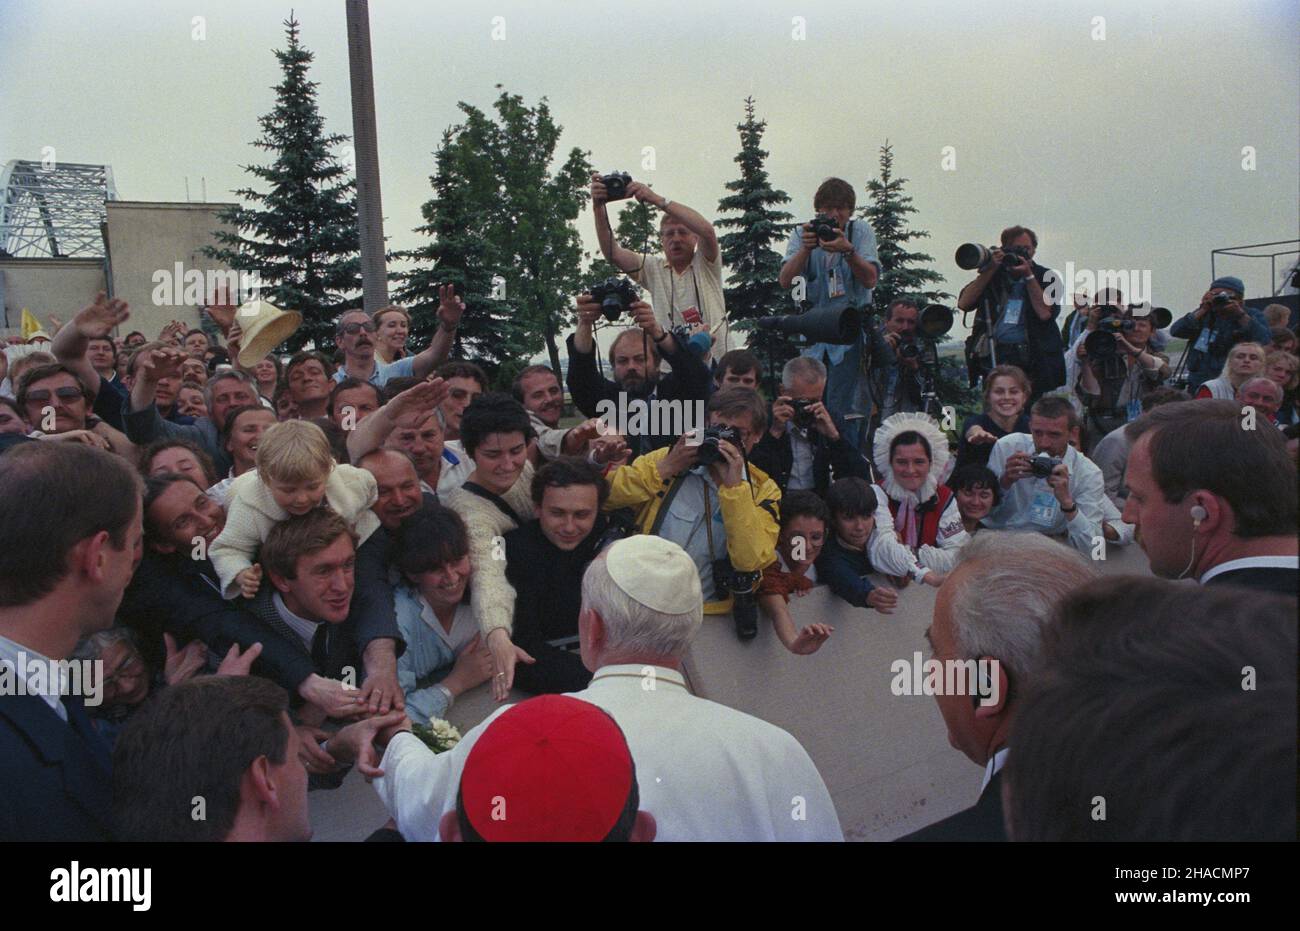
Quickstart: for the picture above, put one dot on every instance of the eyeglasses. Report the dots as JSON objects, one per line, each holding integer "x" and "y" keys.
{"x": 129, "y": 668}
{"x": 67, "y": 393}
{"x": 352, "y": 329}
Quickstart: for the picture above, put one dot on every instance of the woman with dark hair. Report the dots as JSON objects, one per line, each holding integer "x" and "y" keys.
{"x": 444, "y": 654}
{"x": 1006, "y": 395}
{"x": 977, "y": 492}
{"x": 918, "y": 526}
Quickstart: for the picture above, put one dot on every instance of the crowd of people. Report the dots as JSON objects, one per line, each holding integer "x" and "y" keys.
{"x": 287, "y": 569}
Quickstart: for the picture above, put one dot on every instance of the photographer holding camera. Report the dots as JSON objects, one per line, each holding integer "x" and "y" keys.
{"x": 1117, "y": 368}
{"x": 900, "y": 386}
{"x": 634, "y": 357}
{"x": 1047, "y": 484}
{"x": 1015, "y": 323}
{"x": 836, "y": 257}
{"x": 703, "y": 495}
{"x": 803, "y": 448}
{"x": 685, "y": 283}
{"x": 1213, "y": 328}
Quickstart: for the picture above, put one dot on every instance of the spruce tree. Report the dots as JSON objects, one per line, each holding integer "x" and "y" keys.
{"x": 887, "y": 211}
{"x": 753, "y": 290}
{"x": 300, "y": 236}
{"x": 903, "y": 273}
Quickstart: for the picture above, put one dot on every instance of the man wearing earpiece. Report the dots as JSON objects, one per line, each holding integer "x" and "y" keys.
{"x": 1212, "y": 499}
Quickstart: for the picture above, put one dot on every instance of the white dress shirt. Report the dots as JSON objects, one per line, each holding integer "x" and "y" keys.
{"x": 19, "y": 657}
{"x": 705, "y": 771}
{"x": 1251, "y": 562}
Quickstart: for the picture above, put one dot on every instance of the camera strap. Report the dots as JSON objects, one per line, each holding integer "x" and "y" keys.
{"x": 476, "y": 489}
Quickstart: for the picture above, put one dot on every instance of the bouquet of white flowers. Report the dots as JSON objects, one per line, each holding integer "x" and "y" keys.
{"x": 438, "y": 735}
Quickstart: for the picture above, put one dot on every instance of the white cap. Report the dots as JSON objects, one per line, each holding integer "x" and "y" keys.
{"x": 656, "y": 573}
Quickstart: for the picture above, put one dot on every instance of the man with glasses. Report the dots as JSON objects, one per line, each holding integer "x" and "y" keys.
{"x": 56, "y": 405}
{"x": 685, "y": 282}
{"x": 356, "y": 337}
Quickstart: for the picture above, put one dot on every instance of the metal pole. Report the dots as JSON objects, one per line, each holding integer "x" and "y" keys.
{"x": 370, "y": 215}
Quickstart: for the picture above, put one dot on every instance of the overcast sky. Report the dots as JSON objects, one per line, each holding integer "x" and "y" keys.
{"x": 1122, "y": 152}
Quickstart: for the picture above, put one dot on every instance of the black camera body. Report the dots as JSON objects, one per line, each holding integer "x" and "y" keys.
{"x": 709, "y": 451}
{"x": 824, "y": 227}
{"x": 1014, "y": 255}
{"x": 614, "y": 294}
{"x": 803, "y": 417}
{"x": 1041, "y": 466}
{"x": 1100, "y": 344}
{"x": 616, "y": 184}
{"x": 909, "y": 350}
{"x": 1221, "y": 300}
{"x": 743, "y": 588}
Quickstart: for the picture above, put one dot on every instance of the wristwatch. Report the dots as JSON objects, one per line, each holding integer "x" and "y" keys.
{"x": 451, "y": 699}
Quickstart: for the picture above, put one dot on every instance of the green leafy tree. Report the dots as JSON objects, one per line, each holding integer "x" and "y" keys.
{"x": 464, "y": 186}
{"x": 757, "y": 226}
{"x": 637, "y": 230}
{"x": 531, "y": 228}
{"x": 300, "y": 236}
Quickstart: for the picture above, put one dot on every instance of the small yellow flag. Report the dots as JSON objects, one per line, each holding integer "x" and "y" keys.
{"x": 30, "y": 324}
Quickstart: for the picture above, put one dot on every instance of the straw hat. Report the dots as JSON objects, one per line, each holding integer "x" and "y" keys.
{"x": 265, "y": 326}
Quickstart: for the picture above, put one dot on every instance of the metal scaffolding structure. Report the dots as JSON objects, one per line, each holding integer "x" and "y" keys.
{"x": 54, "y": 211}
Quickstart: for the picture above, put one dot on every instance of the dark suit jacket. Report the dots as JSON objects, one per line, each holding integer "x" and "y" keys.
{"x": 175, "y": 594}
{"x": 687, "y": 382}
{"x": 340, "y": 643}
{"x": 55, "y": 778}
{"x": 1261, "y": 579}
{"x": 831, "y": 460}
{"x": 982, "y": 822}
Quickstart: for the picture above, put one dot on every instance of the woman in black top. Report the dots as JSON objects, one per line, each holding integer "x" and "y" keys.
{"x": 1006, "y": 391}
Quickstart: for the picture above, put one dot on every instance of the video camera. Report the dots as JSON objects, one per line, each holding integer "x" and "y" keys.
{"x": 616, "y": 185}
{"x": 614, "y": 295}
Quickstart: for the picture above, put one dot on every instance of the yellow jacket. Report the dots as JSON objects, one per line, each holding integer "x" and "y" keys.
{"x": 751, "y": 516}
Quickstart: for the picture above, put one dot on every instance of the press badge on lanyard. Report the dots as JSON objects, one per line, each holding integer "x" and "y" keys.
{"x": 1203, "y": 341}
{"x": 1134, "y": 409}
{"x": 836, "y": 283}
{"x": 1043, "y": 509}
{"x": 1012, "y": 315}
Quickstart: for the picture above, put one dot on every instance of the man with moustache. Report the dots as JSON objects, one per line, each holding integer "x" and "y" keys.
{"x": 356, "y": 337}
{"x": 538, "y": 389}
{"x": 634, "y": 356}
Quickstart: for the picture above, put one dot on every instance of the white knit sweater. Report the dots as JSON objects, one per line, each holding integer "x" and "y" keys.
{"x": 253, "y": 512}
{"x": 491, "y": 596}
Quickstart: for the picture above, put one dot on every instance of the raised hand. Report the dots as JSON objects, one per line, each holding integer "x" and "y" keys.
{"x": 810, "y": 639}
{"x": 313, "y": 757}
{"x": 239, "y": 664}
{"x": 182, "y": 664}
{"x": 450, "y": 307}
{"x": 413, "y": 406}
{"x": 97, "y": 320}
